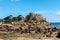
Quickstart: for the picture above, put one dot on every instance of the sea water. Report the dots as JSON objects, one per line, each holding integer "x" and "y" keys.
{"x": 55, "y": 24}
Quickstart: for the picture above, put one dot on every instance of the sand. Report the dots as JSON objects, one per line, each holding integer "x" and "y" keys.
{"x": 19, "y": 38}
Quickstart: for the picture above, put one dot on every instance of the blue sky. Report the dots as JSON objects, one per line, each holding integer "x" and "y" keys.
{"x": 50, "y": 9}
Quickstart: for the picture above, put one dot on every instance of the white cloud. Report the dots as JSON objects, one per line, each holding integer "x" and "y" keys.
{"x": 58, "y": 13}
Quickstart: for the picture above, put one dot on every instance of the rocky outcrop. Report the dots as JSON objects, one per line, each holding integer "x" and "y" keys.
{"x": 33, "y": 23}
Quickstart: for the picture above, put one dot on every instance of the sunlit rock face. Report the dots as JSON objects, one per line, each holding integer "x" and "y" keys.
{"x": 38, "y": 19}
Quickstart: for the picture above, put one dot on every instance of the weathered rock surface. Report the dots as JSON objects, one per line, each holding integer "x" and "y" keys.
{"x": 32, "y": 24}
